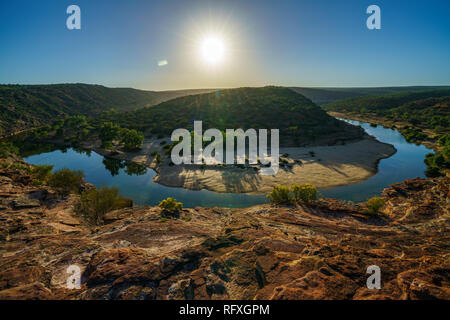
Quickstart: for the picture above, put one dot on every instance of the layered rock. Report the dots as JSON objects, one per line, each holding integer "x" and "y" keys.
{"x": 320, "y": 251}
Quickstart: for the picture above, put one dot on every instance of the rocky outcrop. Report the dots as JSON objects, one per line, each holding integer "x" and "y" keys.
{"x": 320, "y": 251}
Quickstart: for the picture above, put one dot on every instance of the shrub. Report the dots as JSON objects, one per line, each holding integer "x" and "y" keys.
{"x": 433, "y": 172}
{"x": 170, "y": 206}
{"x": 7, "y": 148}
{"x": 20, "y": 166}
{"x": 95, "y": 203}
{"x": 41, "y": 173}
{"x": 444, "y": 139}
{"x": 374, "y": 205}
{"x": 437, "y": 163}
{"x": 279, "y": 194}
{"x": 66, "y": 181}
{"x": 158, "y": 158}
{"x": 304, "y": 193}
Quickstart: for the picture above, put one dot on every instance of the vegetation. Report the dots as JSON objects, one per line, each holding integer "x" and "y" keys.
{"x": 7, "y": 148}
{"x": 131, "y": 139}
{"x": 41, "y": 174}
{"x": 428, "y": 109}
{"x": 170, "y": 206}
{"x": 299, "y": 119}
{"x": 377, "y": 103}
{"x": 438, "y": 163}
{"x": 304, "y": 193}
{"x": 425, "y": 111}
{"x": 298, "y": 193}
{"x": 108, "y": 133}
{"x": 327, "y": 95}
{"x": 95, "y": 203}
{"x": 280, "y": 195}
{"x": 374, "y": 205}
{"x": 31, "y": 106}
{"x": 66, "y": 181}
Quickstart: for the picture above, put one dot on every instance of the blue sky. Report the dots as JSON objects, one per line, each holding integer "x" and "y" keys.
{"x": 299, "y": 42}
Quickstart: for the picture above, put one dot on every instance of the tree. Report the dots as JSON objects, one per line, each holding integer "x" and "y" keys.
{"x": 95, "y": 203}
{"x": 131, "y": 139}
{"x": 66, "y": 181}
{"x": 109, "y": 132}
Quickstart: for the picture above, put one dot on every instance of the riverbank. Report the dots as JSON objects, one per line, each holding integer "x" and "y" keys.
{"x": 429, "y": 142}
{"x": 323, "y": 166}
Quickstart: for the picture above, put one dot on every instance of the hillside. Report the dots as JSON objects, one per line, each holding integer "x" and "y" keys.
{"x": 382, "y": 103}
{"x": 27, "y": 106}
{"x": 300, "y": 120}
{"x": 328, "y": 95}
{"x": 421, "y": 117}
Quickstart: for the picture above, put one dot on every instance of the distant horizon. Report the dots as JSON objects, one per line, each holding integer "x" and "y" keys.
{"x": 174, "y": 45}
{"x": 219, "y": 88}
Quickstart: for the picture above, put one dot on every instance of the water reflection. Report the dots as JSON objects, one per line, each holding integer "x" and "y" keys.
{"x": 130, "y": 168}
{"x": 136, "y": 181}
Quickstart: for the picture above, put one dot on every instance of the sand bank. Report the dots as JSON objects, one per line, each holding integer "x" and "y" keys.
{"x": 322, "y": 166}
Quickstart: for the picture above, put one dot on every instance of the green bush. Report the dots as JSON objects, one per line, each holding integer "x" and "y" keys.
{"x": 95, "y": 203}
{"x": 374, "y": 205}
{"x": 131, "y": 139}
{"x": 7, "y": 148}
{"x": 437, "y": 163}
{"x": 280, "y": 194}
{"x": 432, "y": 172}
{"x": 108, "y": 133}
{"x": 41, "y": 174}
{"x": 66, "y": 181}
{"x": 170, "y": 206}
{"x": 304, "y": 193}
{"x": 158, "y": 158}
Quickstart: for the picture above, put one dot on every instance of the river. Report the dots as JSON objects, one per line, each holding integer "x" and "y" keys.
{"x": 136, "y": 182}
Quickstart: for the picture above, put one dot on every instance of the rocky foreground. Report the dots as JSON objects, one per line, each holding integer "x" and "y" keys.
{"x": 320, "y": 251}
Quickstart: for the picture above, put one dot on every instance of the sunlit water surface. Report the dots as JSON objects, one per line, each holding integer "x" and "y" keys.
{"x": 136, "y": 182}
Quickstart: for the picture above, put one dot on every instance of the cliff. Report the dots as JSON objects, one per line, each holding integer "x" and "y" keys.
{"x": 320, "y": 251}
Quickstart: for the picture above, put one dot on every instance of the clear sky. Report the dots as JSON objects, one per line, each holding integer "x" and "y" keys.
{"x": 290, "y": 43}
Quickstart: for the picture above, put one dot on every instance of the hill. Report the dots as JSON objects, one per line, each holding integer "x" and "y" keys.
{"x": 300, "y": 120}
{"x": 27, "y": 106}
{"x": 328, "y": 95}
{"x": 429, "y": 109}
{"x": 382, "y": 103}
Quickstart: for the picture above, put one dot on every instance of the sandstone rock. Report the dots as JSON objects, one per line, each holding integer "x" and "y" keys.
{"x": 319, "y": 251}
{"x": 24, "y": 202}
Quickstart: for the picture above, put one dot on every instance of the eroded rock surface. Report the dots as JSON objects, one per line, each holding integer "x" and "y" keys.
{"x": 320, "y": 251}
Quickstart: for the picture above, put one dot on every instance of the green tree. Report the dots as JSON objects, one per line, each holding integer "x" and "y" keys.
{"x": 109, "y": 132}
{"x": 66, "y": 181}
{"x": 95, "y": 203}
{"x": 131, "y": 139}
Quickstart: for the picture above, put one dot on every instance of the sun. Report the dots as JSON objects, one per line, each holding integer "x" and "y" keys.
{"x": 213, "y": 50}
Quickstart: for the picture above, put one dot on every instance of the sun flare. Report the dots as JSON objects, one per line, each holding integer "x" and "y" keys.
{"x": 213, "y": 50}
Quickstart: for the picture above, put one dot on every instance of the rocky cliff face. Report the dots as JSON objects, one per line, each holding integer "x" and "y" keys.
{"x": 320, "y": 251}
